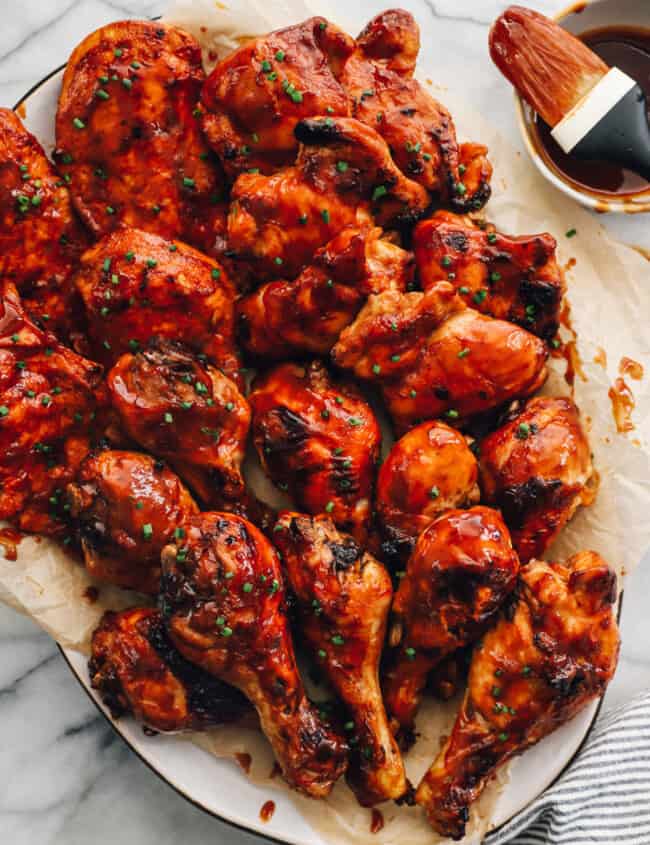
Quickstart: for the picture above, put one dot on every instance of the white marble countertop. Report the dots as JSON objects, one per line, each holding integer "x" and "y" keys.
{"x": 65, "y": 777}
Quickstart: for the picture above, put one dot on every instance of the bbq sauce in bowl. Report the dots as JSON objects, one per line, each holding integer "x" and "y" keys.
{"x": 628, "y": 49}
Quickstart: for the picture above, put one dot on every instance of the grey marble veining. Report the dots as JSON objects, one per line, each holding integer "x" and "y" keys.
{"x": 65, "y": 777}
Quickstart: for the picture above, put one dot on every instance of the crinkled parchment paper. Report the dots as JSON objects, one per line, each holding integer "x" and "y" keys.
{"x": 609, "y": 295}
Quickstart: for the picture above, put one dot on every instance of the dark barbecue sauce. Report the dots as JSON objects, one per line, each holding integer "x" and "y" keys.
{"x": 629, "y": 50}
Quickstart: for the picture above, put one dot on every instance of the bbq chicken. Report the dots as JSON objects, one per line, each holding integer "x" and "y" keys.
{"x": 137, "y": 671}
{"x": 537, "y": 470}
{"x": 48, "y": 396}
{"x": 344, "y": 175}
{"x": 136, "y": 286}
{"x": 432, "y": 357}
{"x": 461, "y": 571}
{"x": 512, "y": 278}
{"x": 128, "y": 134}
{"x": 420, "y": 132}
{"x": 254, "y": 97}
{"x": 306, "y": 316}
{"x": 187, "y": 412}
{"x": 40, "y": 237}
{"x": 344, "y": 598}
{"x": 224, "y": 605}
{"x": 431, "y": 469}
{"x": 127, "y": 507}
{"x": 319, "y": 440}
{"x": 553, "y": 650}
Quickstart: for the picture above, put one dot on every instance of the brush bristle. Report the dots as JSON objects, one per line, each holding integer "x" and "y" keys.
{"x": 550, "y": 68}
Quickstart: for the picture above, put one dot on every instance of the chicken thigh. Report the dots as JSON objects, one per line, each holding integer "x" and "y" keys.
{"x": 319, "y": 440}
{"x": 434, "y": 357}
{"x": 344, "y": 598}
{"x": 512, "y": 278}
{"x": 127, "y": 507}
{"x": 137, "y": 671}
{"x": 461, "y": 571}
{"x": 536, "y": 469}
{"x": 552, "y": 651}
{"x": 224, "y": 605}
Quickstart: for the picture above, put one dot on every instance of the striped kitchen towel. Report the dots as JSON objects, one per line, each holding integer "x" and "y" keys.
{"x": 603, "y": 798}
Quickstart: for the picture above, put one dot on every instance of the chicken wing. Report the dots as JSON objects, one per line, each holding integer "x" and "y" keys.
{"x": 136, "y": 286}
{"x": 343, "y": 176}
{"x": 48, "y": 396}
{"x": 40, "y": 237}
{"x": 461, "y": 571}
{"x": 129, "y": 136}
{"x": 318, "y": 439}
{"x": 536, "y": 468}
{"x": 419, "y": 130}
{"x": 224, "y": 605}
{"x": 186, "y": 412}
{"x": 434, "y": 357}
{"x": 552, "y": 652}
{"x": 255, "y": 96}
{"x": 127, "y": 506}
{"x": 137, "y": 671}
{"x": 307, "y": 315}
{"x": 344, "y": 598}
{"x": 431, "y": 469}
{"x": 512, "y": 278}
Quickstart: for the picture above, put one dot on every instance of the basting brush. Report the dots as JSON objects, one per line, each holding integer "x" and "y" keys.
{"x": 596, "y": 112}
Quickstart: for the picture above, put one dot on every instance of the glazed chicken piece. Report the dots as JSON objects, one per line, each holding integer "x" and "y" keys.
{"x": 224, "y": 605}
{"x": 136, "y": 286}
{"x": 512, "y": 278}
{"x": 307, "y": 315}
{"x": 434, "y": 357}
{"x": 40, "y": 237}
{"x": 127, "y": 506}
{"x": 48, "y": 396}
{"x": 344, "y": 597}
{"x": 128, "y": 132}
{"x": 419, "y": 130}
{"x": 254, "y": 97}
{"x": 184, "y": 411}
{"x": 536, "y": 469}
{"x": 552, "y": 652}
{"x": 461, "y": 571}
{"x": 319, "y": 440}
{"x": 431, "y": 469}
{"x": 137, "y": 671}
{"x": 344, "y": 175}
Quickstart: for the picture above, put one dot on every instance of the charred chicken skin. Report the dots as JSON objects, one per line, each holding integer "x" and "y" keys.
{"x": 344, "y": 175}
{"x": 419, "y": 131}
{"x": 40, "y": 237}
{"x": 224, "y": 604}
{"x": 433, "y": 357}
{"x": 127, "y": 506}
{"x": 255, "y": 96}
{"x": 512, "y": 278}
{"x": 344, "y": 598}
{"x": 431, "y": 469}
{"x": 319, "y": 440}
{"x": 136, "y": 286}
{"x": 184, "y": 411}
{"x": 461, "y": 571}
{"x": 552, "y": 652}
{"x": 536, "y": 468}
{"x": 129, "y": 136}
{"x": 307, "y": 315}
{"x": 48, "y": 396}
{"x": 137, "y": 671}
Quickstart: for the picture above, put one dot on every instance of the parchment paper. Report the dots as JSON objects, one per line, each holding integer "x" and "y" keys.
{"x": 609, "y": 297}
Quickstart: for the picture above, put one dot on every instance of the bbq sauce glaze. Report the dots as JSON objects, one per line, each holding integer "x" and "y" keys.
{"x": 628, "y": 49}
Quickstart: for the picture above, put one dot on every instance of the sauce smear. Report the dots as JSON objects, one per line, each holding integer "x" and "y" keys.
{"x": 631, "y": 368}
{"x": 244, "y": 761}
{"x": 9, "y": 539}
{"x": 622, "y": 400}
{"x": 268, "y": 808}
